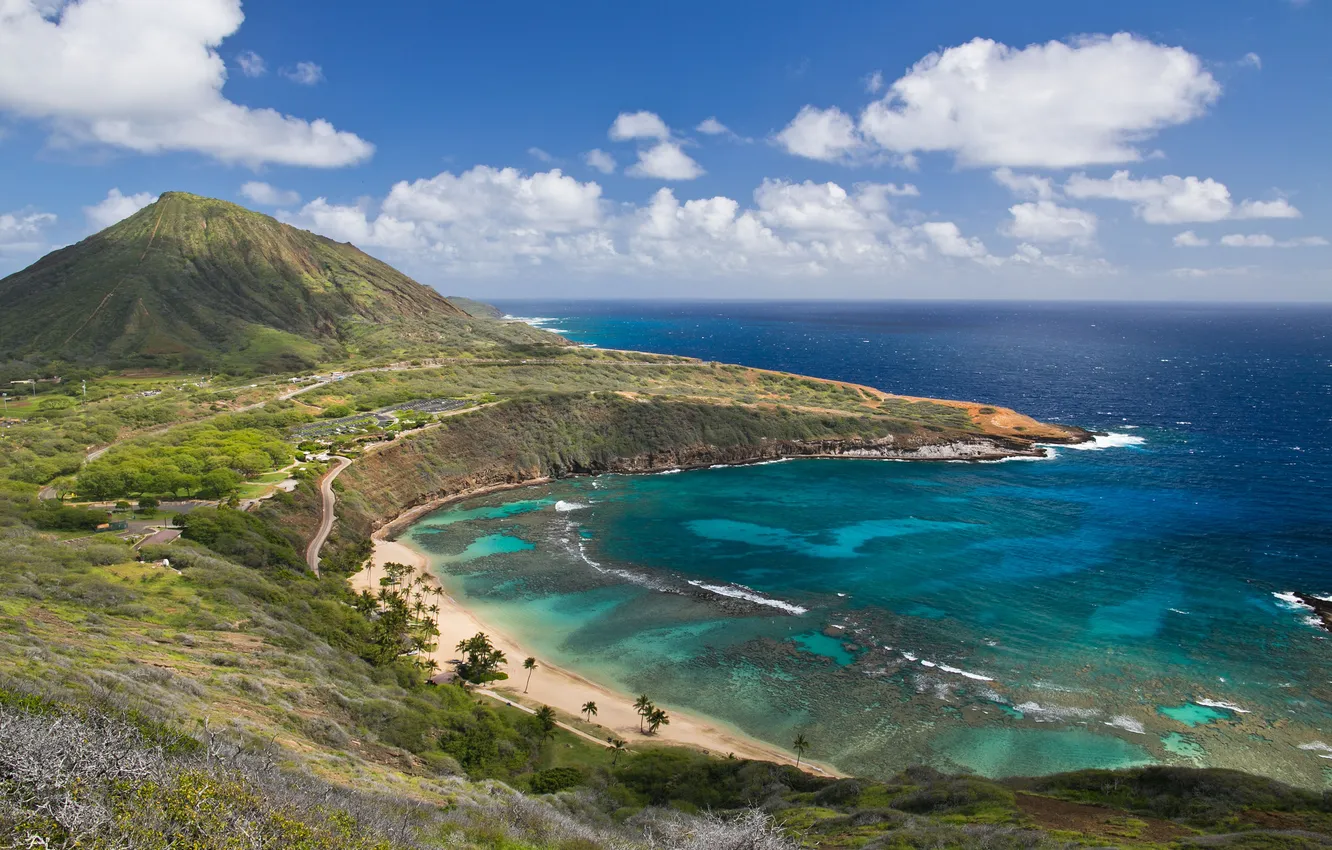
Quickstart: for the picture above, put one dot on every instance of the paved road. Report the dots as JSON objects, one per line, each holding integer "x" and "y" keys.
{"x": 326, "y": 513}
{"x": 165, "y": 535}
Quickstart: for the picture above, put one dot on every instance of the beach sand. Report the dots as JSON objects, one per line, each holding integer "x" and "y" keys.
{"x": 563, "y": 689}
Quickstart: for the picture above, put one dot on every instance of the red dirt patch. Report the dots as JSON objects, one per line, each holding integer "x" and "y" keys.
{"x": 1049, "y": 813}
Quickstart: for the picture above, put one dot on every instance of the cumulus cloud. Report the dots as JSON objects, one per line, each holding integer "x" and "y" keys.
{"x": 304, "y": 73}
{"x": 1263, "y": 240}
{"x": 23, "y": 232}
{"x": 266, "y": 195}
{"x": 1087, "y": 101}
{"x": 1279, "y": 208}
{"x": 488, "y": 222}
{"x": 539, "y": 155}
{"x": 1253, "y": 60}
{"x": 116, "y": 207}
{"x": 1189, "y": 239}
{"x": 638, "y": 125}
{"x": 823, "y": 134}
{"x": 145, "y": 75}
{"x": 665, "y": 161}
{"x": 1025, "y": 185}
{"x": 1046, "y": 221}
{"x": 949, "y": 241}
{"x": 1175, "y": 200}
{"x": 874, "y": 82}
{"x": 251, "y": 64}
{"x": 713, "y": 127}
{"x": 600, "y": 160}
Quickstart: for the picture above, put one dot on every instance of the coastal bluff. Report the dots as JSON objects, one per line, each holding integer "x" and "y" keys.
{"x": 533, "y": 440}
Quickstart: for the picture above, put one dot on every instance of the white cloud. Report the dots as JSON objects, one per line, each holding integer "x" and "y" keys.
{"x": 24, "y": 232}
{"x": 1054, "y": 105}
{"x": 713, "y": 127}
{"x": 489, "y": 223}
{"x": 949, "y": 241}
{"x": 1189, "y": 239}
{"x": 1263, "y": 240}
{"x": 874, "y": 82}
{"x": 504, "y": 197}
{"x": 639, "y": 125}
{"x": 1256, "y": 240}
{"x": 1279, "y": 208}
{"x": 1253, "y": 60}
{"x": 146, "y": 75}
{"x": 1025, "y": 185}
{"x": 1173, "y": 199}
{"x": 665, "y": 161}
{"x": 116, "y": 207}
{"x": 1067, "y": 264}
{"x": 1046, "y": 221}
{"x": 540, "y": 155}
{"x": 600, "y": 160}
{"x": 251, "y": 64}
{"x": 266, "y": 195}
{"x": 823, "y": 134}
{"x": 906, "y": 190}
{"x": 1222, "y": 271}
{"x": 305, "y": 74}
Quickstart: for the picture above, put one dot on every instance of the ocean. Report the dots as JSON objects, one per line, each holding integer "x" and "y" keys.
{"x": 1121, "y": 603}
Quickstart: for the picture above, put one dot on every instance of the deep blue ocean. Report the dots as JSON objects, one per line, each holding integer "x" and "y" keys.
{"x": 1109, "y": 606}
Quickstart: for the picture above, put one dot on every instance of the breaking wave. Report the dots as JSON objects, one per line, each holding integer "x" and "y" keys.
{"x": 750, "y": 595}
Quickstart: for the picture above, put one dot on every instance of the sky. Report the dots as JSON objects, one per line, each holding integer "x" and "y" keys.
{"x": 970, "y": 149}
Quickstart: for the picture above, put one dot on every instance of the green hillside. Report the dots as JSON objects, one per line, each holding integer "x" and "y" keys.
{"x": 189, "y": 281}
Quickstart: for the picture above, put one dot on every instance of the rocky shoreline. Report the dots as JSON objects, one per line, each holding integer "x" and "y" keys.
{"x": 1321, "y": 607}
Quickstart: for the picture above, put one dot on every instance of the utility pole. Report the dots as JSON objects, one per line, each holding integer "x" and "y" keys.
{"x": 5, "y": 396}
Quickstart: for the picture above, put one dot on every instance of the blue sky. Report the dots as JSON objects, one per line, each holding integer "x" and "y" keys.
{"x": 869, "y": 150}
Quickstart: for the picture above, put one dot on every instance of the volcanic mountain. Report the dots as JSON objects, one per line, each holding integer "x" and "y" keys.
{"x": 189, "y": 281}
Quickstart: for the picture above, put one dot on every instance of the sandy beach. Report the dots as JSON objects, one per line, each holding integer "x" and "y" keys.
{"x": 563, "y": 689}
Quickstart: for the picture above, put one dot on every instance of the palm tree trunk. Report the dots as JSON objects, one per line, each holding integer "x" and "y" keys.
{"x": 529, "y": 679}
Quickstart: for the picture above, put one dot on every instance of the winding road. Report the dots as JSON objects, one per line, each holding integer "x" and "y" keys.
{"x": 325, "y": 512}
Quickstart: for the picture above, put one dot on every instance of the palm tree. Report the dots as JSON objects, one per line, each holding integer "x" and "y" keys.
{"x": 800, "y": 746}
{"x": 642, "y": 705}
{"x": 529, "y": 665}
{"x": 590, "y": 709}
{"x": 618, "y": 745}
{"x": 546, "y": 716}
{"x": 657, "y": 718}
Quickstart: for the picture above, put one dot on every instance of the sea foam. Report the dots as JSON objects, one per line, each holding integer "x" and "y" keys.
{"x": 1107, "y": 441}
{"x": 564, "y": 507}
{"x": 750, "y": 595}
{"x": 1128, "y": 724}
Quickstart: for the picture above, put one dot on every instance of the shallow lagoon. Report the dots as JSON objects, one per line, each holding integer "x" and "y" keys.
{"x": 1003, "y": 618}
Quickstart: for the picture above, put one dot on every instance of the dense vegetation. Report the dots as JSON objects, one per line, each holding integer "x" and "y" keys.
{"x": 208, "y": 460}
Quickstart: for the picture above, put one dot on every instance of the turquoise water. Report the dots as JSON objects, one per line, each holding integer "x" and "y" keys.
{"x": 1191, "y": 714}
{"x": 1017, "y": 617}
